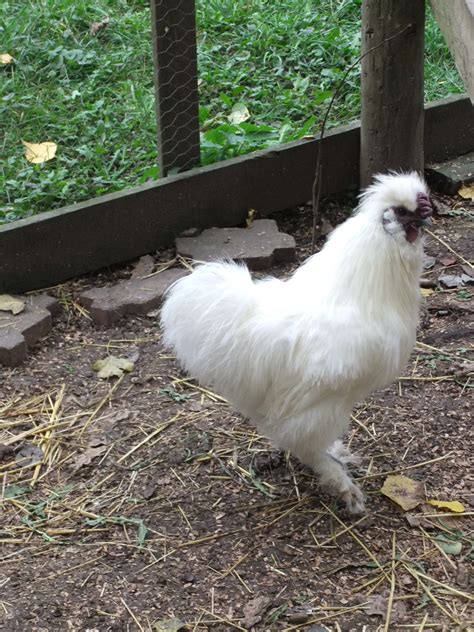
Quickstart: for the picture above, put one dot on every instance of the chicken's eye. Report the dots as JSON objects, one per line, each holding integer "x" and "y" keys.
{"x": 401, "y": 211}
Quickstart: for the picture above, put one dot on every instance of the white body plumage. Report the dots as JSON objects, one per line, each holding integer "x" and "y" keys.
{"x": 295, "y": 356}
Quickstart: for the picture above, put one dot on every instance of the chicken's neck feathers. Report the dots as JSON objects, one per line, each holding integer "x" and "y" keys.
{"x": 362, "y": 263}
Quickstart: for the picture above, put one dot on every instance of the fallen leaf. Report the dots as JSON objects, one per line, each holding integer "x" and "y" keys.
{"x": 376, "y": 605}
{"x": 448, "y": 261}
{"x": 451, "y": 505}
{"x": 239, "y": 114}
{"x": 95, "y": 27}
{"x": 6, "y": 59}
{"x": 467, "y": 279}
{"x": 86, "y": 457}
{"x": 451, "y": 280}
{"x": 326, "y": 227}
{"x": 468, "y": 269}
{"x": 37, "y": 153}
{"x": 6, "y": 452}
{"x": 169, "y": 625}
{"x": 451, "y": 547}
{"x": 254, "y": 611}
{"x": 418, "y": 521}
{"x": 428, "y": 262}
{"x": 143, "y": 267}
{"x": 462, "y": 575}
{"x": 299, "y": 614}
{"x": 426, "y": 291}
{"x": 111, "y": 366}
{"x": 14, "y": 491}
{"x": 467, "y": 192}
{"x": 250, "y": 217}
{"x": 28, "y": 454}
{"x": 11, "y": 304}
{"x": 404, "y": 491}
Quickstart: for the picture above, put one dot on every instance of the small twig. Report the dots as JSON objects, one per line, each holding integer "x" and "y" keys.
{"x": 316, "y": 190}
{"x": 404, "y": 469}
{"x": 456, "y": 254}
{"x": 392, "y": 587}
{"x": 132, "y": 615}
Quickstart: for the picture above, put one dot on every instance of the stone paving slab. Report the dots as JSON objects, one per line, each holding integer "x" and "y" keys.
{"x": 20, "y": 331}
{"x": 259, "y": 246}
{"x": 447, "y": 177}
{"x": 133, "y": 296}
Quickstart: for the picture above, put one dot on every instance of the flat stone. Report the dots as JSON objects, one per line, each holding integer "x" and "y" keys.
{"x": 133, "y": 296}
{"x": 259, "y": 246}
{"x": 20, "y": 331}
{"x": 447, "y": 177}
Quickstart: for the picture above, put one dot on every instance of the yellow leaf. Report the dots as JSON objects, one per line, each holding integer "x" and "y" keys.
{"x": 452, "y": 505}
{"x": 38, "y": 153}
{"x": 11, "y": 304}
{"x": 467, "y": 192}
{"x": 250, "y": 217}
{"x": 404, "y": 491}
{"x": 5, "y": 59}
{"x": 426, "y": 291}
{"x": 239, "y": 114}
{"x": 111, "y": 366}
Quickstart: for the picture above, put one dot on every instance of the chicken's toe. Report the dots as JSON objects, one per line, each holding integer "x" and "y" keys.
{"x": 354, "y": 500}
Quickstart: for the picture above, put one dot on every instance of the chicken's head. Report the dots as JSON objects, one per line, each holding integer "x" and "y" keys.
{"x": 403, "y": 204}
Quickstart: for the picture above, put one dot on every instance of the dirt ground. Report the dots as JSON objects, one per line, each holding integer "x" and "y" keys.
{"x": 156, "y": 507}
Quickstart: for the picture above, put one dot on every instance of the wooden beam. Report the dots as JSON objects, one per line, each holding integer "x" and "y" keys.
{"x": 51, "y": 247}
{"x": 392, "y": 86}
{"x": 176, "y": 84}
{"x": 456, "y": 21}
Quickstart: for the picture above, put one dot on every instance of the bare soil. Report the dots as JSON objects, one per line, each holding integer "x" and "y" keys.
{"x": 153, "y": 500}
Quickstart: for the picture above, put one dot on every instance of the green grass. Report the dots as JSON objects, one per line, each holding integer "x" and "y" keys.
{"x": 94, "y": 96}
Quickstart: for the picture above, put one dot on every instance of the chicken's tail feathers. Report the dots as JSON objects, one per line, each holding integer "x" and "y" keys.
{"x": 202, "y": 310}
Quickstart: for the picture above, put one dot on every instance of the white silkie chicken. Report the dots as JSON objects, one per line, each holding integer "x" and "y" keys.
{"x": 296, "y": 355}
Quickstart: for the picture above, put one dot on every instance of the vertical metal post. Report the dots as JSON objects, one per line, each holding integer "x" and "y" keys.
{"x": 176, "y": 84}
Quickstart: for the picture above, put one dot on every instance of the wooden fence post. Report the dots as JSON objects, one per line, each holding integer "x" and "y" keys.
{"x": 392, "y": 87}
{"x": 176, "y": 87}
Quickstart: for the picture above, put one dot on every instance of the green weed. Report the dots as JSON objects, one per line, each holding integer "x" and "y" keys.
{"x": 94, "y": 95}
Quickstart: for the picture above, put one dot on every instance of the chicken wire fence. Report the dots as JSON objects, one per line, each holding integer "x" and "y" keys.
{"x": 192, "y": 43}
{"x": 177, "y": 102}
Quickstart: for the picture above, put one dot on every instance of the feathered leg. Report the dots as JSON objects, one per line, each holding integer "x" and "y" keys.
{"x": 333, "y": 476}
{"x": 337, "y": 481}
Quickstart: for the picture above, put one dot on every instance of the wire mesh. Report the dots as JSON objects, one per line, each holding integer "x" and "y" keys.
{"x": 176, "y": 81}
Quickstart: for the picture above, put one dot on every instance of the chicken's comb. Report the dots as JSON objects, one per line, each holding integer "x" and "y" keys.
{"x": 424, "y": 205}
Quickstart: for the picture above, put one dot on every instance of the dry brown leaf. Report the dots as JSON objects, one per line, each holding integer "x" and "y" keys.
{"x": 143, "y": 267}
{"x": 28, "y": 454}
{"x": 448, "y": 261}
{"x": 95, "y": 27}
{"x": 6, "y": 59}
{"x": 250, "y": 217}
{"x": 452, "y": 505}
{"x": 11, "y": 304}
{"x": 254, "y": 611}
{"x": 37, "y": 153}
{"x": 404, "y": 491}
{"x": 467, "y": 192}
{"x": 6, "y": 452}
{"x": 169, "y": 625}
{"x": 86, "y": 457}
